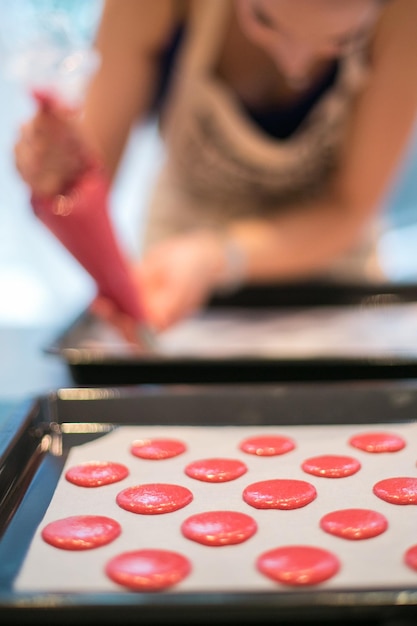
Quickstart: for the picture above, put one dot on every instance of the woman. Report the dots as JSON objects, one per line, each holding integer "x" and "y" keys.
{"x": 284, "y": 123}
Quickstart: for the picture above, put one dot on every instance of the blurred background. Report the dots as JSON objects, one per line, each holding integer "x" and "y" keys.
{"x": 40, "y": 283}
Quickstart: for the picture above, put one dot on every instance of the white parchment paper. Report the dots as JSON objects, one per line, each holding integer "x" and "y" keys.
{"x": 375, "y": 562}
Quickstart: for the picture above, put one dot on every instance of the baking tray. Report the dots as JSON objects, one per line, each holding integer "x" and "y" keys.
{"x": 47, "y": 429}
{"x": 304, "y": 331}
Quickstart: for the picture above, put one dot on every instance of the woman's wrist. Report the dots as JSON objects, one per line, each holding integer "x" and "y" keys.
{"x": 223, "y": 261}
{"x": 234, "y": 269}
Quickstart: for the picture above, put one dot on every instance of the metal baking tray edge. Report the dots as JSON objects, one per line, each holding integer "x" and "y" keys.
{"x": 39, "y": 472}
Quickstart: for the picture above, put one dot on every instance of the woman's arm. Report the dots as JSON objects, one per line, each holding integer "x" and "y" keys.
{"x": 129, "y": 40}
{"x": 305, "y": 241}
{"x": 57, "y": 144}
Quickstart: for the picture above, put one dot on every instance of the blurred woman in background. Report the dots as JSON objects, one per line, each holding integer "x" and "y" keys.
{"x": 284, "y": 122}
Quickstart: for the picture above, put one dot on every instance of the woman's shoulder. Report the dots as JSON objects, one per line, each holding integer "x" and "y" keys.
{"x": 396, "y": 29}
{"x": 145, "y": 23}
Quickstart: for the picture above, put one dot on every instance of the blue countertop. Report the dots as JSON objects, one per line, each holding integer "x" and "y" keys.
{"x": 26, "y": 369}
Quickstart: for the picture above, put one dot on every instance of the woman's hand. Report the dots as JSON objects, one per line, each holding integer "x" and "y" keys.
{"x": 50, "y": 152}
{"x": 173, "y": 281}
{"x": 179, "y": 275}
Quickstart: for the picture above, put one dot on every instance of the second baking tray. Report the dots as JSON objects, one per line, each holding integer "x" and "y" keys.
{"x": 308, "y": 331}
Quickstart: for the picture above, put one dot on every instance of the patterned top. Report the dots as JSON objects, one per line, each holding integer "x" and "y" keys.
{"x": 220, "y": 163}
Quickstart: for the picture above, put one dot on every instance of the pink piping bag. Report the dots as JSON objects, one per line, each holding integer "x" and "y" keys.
{"x": 56, "y": 66}
{"x": 80, "y": 220}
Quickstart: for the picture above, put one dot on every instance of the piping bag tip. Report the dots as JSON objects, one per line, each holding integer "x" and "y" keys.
{"x": 128, "y": 317}
{"x": 146, "y": 336}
